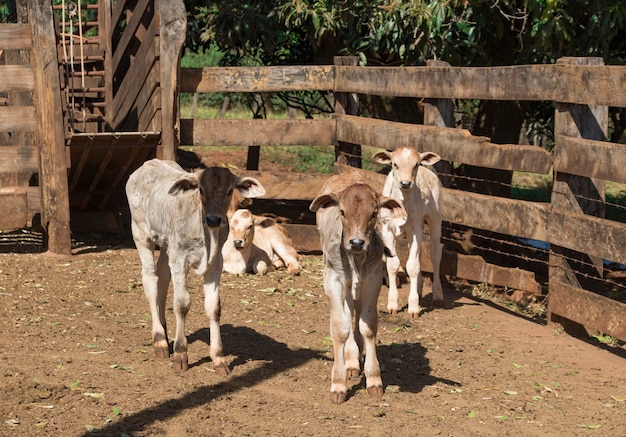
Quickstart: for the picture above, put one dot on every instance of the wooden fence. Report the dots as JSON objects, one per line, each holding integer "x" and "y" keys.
{"x": 583, "y": 89}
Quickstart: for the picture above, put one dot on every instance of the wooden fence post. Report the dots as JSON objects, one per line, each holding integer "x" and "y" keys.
{"x": 440, "y": 113}
{"x": 173, "y": 30}
{"x": 348, "y": 103}
{"x": 575, "y": 194}
{"x": 55, "y": 214}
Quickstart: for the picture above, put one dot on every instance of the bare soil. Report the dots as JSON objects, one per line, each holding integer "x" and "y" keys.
{"x": 77, "y": 360}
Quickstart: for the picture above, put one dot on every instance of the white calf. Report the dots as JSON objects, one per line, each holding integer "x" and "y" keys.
{"x": 185, "y": 214}
{"x": 347, "y": 212}
{"x": 258, "y": 244}
{"x": 419, "y": 189}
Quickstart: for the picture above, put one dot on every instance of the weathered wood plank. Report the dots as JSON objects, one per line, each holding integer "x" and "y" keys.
{"x": 132, "y": 24}
{"x": 288, "y": 186}
{"x": 256, "y": 79}
{"x": 603, "y": 85}
{"x": 305, "y": 238}
{"x": 597, "y": 159}
{"x": 53, "y": 175}
{"x": 14, "y": 207}
{"x": 505, "y": 216}
{"x": 18, "y": 119}
{"x": 125, "y": 97}
{"x": 456, "y": 145}
{"x": 591, "y": 235}
{"x": 24, "y": 158}
{"x": 16, "y": 78}
{"x": 15, "y": 36}
{"x": 593, "y": 311}
{"x": 257, "y": 132}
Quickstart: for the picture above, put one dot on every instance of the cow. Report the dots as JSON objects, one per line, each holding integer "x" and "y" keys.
{"x": 258, "y": 244}
{"x": 419, "y": 189}
{"x": 348, "y": 212}
{"x": 185, "y": 215}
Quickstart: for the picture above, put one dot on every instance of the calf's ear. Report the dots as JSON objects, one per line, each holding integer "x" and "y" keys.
{"x": 250, "y": 187}
{"x": 184, "y": 185}
{"x": 429, "y": 158}
{"x": 392, "y": 211}
{"x": 383, "y": 157}
{"x": 323, "y": 201}
{"x": 264, "y": 222}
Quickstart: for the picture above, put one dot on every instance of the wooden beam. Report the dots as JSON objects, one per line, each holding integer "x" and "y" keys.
{"x": 456, "y": 145}
{"x": 14, "y": 207}
{"x": 591, "y": 158}
{"x": 258, "y": 132}
{"x": 591, "y": 235}
{"x": 130, "y": 29}
{"x": 17, "y": 78}
{"x": 603, "y": 85}
{"x": 593, "y": 311}
{"x": 51, "y": 136}
{"x": 15, "y": 36}
{"x": 256, "y": 79}
{"x": 19, "y": 158}
{"x": 18, "y": 119}
{"x": 287, "y": 185}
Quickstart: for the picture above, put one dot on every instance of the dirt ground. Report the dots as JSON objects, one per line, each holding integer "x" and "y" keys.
{"x": 76, "y": 360}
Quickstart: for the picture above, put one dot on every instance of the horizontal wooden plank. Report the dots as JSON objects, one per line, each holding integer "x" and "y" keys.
{"x": 456, "y": 145}
{"x": 15, "y": 36}
{"x": 257, "y": 132}
{"x": 16, "y": 78}
{"x": 14, "y": 207}
{"x": 593, "y": 311}
{"x": 587, "y": 234}
{"x": 288, "y": 186}
{"x": 115, "y": 140}
{"x": 603, "y": 85}
{"x": 17, "y": 119}
{"x": 24, "y": 158}
{"x": 497, "y": 214}
{"x": 305, "y": 238}
{"x": 256, "y": 79}
{"x": 596, "y": 159}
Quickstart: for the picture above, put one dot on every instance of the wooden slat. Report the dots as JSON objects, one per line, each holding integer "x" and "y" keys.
{"x": 22, "y": 158}
{"x": 596, "y": 159}
{"x": 16, "y": 78}
{"x": 256, "y": 79}
{"x": 305, "y": 238}
{"x": 115, "y": 140}
{"x": 603, "y": 85}
{"x": 129, "y": 32}
{"x": 15, "y": 36}
{"x": 14, "y": 207}
{"x": 288, "y": 185}
{"x": 18, "y": 119}
{"x": 257, "y": 132}
{"x": 456, "y": 145}
{"x": 593, "y": 311}
{"x": 588, "y": 234}
{"x": 134, "y": 80}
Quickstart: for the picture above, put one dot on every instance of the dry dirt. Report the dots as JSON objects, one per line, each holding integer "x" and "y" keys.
{"x": 76, "y": 360}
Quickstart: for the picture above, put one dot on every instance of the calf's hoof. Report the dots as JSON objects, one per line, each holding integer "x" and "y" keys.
{"x": 376, "y": 391}
{"x": 439, "y": 303}
{"x": 337, "y": 397}
{"x": 221, "y": 369}
{"x": 393, "y": 312}
{"x": 162, "y": 351}
{"x": 293, "y": 270}
{"x": 181, "y": 362}
{"x": 353, "y": 373}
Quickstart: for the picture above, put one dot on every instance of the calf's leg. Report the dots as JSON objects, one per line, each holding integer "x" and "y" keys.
{"x": 182, "y": 303}
{"x": 413, "y": 269}
{"x": 367, "y": 319}
{"x": 213, "y": 311}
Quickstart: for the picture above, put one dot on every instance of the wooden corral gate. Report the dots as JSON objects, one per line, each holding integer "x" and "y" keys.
{"x": 87, "y": 94}
{"x": 84, "y": 109}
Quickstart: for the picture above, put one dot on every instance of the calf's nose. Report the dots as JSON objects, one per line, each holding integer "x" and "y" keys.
{"x": 357, "y": 244}
{"x": 213, "y": 221}
{"x": 405, "y": 185}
